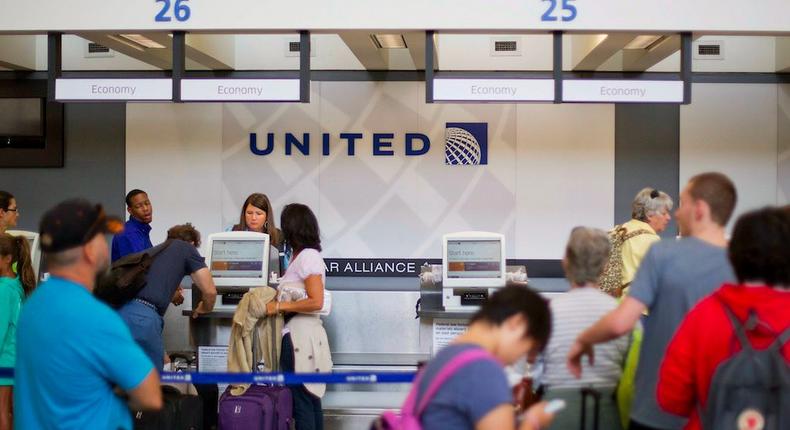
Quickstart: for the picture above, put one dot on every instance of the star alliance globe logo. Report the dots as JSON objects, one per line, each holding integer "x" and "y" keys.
{"x": 466, "y": 143}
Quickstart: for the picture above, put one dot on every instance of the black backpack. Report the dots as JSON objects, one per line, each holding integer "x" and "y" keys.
{"x": 127, "y": 277}
{"x": 751, "y": 389}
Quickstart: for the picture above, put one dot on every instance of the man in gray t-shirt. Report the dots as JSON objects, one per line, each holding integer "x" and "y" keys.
{"x": 672, "y": 278}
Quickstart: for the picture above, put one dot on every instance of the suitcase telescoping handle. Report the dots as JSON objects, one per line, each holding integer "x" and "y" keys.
{"x": 276, "y": 365}
{"x": 596, "y": 395}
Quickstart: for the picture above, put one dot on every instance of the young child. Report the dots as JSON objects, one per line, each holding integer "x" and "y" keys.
{"x": 14, "y": 250}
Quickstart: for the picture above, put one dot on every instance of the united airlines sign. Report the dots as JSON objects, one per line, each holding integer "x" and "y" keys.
{"x": 465, "y": 144}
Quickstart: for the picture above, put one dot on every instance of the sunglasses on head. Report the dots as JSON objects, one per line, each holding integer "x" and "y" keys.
{"x": 102, "y": 224}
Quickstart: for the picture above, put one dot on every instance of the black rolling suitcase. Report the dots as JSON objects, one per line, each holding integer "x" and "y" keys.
{"x": 596, "y": 396}
{"x": 179, "y": 412}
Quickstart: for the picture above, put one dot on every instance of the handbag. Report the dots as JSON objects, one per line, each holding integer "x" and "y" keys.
{"x": 295, "y": 291}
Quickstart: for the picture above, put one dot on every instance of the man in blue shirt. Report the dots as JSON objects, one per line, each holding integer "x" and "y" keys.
{"x": 136, "y": 233}
{"x": 77, "y": 364}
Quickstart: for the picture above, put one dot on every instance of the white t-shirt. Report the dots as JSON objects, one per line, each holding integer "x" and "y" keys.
{"x": 307, "y": 263}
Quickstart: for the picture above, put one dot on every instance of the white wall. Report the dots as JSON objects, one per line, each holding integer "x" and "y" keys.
{"x": 550, "y": 166}
{"x": 732, "y": 128}
{"x": 546, "y": 162}
{"x": 74, "y": 58}
{"x": 748, "y": 54}
{"x": 472, "y": 52}
{"x": 741, "y": 54}
{"x": 783, "y": 54}
{"x": 173, "y": 153}
{"x": 565, "y": 166}
{"x": 19, "y": 51}
{"x": 783, "y": 145}
{"x": 267, "y": 52}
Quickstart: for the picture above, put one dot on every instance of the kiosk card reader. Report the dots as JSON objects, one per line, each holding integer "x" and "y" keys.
{"x": 238, "y": 261}
{"x": 35, "y": 251}
{"x": 473, "y": 266}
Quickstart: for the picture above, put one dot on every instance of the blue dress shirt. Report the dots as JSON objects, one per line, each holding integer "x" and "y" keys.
{"x": 135, "y": 238}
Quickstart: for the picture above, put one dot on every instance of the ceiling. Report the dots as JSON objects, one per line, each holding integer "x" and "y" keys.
{"x": 369, "y": 50}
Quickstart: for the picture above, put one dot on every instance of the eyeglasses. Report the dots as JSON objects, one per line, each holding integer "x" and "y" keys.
{"x": 13, "y": 210}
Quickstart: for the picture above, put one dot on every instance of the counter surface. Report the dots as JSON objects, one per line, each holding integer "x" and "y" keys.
{"x": 431, "y": 298}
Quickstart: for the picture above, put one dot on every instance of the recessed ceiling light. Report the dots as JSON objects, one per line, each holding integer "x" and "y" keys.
{"x": 143, "y": 41}
{"x": 123, "y": 41}
{"x": 389, "y": 41}
{"x": 644, "y": 42}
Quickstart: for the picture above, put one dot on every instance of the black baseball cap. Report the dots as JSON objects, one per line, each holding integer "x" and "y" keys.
{"x": 74, "y": 223}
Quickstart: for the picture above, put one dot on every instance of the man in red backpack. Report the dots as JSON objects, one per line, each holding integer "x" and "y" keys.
{"x": 694, "y": 381}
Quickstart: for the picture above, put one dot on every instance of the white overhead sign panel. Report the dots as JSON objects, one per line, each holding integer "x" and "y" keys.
{"x": 493, "y": 90}
{"x": 701, "y": 16}
{"x": 114, "y": 89}
{"x": 242, "y": 90}
{"x": 622, "y": 91}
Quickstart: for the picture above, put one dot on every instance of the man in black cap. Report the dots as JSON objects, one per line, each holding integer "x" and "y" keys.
{"x": 74, "y": 353}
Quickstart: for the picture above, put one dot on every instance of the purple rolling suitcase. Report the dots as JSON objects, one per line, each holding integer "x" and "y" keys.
{"x": 261, "y": 407}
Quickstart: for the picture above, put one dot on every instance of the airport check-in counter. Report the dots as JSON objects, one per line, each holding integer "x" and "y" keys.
{"x": 376, "y": 325}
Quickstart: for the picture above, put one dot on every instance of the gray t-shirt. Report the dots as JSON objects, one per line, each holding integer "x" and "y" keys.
{"x": 168, "y": 269}
{"x": 673, "y": 277}
{"x": 468, "y": 395}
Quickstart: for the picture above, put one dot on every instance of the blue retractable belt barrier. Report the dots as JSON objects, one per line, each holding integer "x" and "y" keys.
{"x": 274, "y": 378}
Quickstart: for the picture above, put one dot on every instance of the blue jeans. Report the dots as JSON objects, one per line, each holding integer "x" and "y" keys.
{"x": 146, "y": 326}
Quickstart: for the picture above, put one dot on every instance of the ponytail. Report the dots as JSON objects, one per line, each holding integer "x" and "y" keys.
{"x": 24, "y": 265}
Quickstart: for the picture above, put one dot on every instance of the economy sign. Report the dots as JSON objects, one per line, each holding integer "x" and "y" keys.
{"x": 113, "y": 89}
{"x": 622, "y": 91}
{"x": 240, "y": 90}
{"x": 493, "y": 90}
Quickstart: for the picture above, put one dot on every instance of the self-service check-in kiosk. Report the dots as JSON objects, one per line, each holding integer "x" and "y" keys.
{"x": 238, "y": 261}
{"x": 473, "y": 266}
{"x": 35, "y": 251}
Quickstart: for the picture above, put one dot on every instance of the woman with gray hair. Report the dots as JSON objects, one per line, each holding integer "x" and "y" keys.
{"x": 650, "y": 214}
{"x": 653, "y": 208}
{"x": 585, "y": 256}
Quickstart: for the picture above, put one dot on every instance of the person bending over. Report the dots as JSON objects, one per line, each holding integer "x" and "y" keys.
{"x": 145, "y": 313}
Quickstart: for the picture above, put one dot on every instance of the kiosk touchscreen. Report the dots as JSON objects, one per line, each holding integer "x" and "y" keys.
{"x": 35, "y": 251}
{"x": 473, "y": 266}
{"x": 238, "y": 261}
